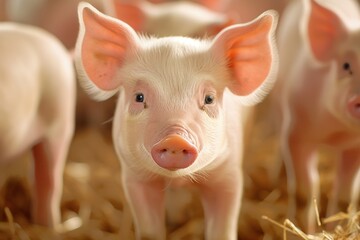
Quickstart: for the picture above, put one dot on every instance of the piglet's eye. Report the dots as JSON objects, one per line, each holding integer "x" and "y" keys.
{"x": 209, "y": 99}
{"x": 347, "y": 67}
{"x": 139, "y": 97}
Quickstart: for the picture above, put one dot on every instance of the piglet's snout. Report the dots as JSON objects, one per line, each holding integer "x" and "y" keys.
{"x": 174, "y": 152}
{"x": 354, "y": 106}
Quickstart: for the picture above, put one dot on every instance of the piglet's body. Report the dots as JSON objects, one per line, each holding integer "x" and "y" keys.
{"x": 55, "y": 16}
{"x": 37, "y": 110}
{"x": 178, "y": 116}
{"x": 319, "y": 91}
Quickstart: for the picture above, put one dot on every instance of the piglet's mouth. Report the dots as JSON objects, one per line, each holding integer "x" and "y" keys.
{"x": 174, "y": 152}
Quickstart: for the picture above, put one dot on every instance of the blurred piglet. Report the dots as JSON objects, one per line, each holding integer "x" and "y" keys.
{"x": 245, "y": 10}
{"x": 170, "y": 18}
{"x": 58, "y": 17}
{"x": 178, "y": 116}
{"x": 37, "y": 110}
{"x": 319, "y": 95}
{"x": 238, "y": 11}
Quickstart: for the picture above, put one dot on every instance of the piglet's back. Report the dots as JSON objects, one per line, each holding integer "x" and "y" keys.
{"x": 35, "y": 69}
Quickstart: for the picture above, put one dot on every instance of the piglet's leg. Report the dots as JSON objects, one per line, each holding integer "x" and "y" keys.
{"x": 49, "y": 160}
{"x": 303, "y": 178}
{"x": 146, "y": 200}
{"x": 345, "y": 187}
{"x": 221, "y": 196}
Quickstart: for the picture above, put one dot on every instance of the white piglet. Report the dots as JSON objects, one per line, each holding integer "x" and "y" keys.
{"x": 178, "y": 116}
{"x": 37, "y": 110}
{"x": 319, "y": 94}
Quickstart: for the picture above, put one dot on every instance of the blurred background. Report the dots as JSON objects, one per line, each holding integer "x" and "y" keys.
{"x": 93, "y": 204}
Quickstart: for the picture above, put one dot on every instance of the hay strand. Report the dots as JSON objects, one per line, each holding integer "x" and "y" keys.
{"x": 351, "y": 230}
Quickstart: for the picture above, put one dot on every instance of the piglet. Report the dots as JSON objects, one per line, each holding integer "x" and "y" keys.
{"x": 319, "y": 96}
{"x": 178, "y": 117}
{"x": 55, "y": 16}
{"x": 237, "y": 11}
{"x": 171, "y": 18}
{"x": 245, "y": 10}
{"x": 37, "y": 110}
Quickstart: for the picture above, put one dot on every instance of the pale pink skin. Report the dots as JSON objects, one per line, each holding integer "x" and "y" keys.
{"x": 320, "y": 100}
{"x": 60, "y": 18}
{"x": 173, "y": 136}
{"x": 37, "y": 111}
{"x": 245, "y": 10}
{"x": 56, "y": 16}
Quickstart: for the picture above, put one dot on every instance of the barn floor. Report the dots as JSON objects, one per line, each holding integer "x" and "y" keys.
{"x": 93, "y": 204}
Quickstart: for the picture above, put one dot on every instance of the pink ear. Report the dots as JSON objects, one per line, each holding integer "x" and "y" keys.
{"x": 104, "y": 44}
{"x": 325, "y": 31}
{"x": 130, "y": 12}
{"x": 250, "y": 51}
{"x": 211, "y": 4}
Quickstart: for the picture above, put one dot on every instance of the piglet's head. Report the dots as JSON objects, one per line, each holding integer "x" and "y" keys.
{"x": 333, "y": 35}
{"x": 170, "y": 115}
{"x": 104, "y": 44}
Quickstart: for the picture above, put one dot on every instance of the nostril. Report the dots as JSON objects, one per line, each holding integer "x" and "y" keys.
{"x": 354, "y": 106}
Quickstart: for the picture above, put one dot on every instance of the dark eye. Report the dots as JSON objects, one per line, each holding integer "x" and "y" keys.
{"x": 209, "y": 99}
{"x": 347, "y": 67}
{"x": 139, "y": 97}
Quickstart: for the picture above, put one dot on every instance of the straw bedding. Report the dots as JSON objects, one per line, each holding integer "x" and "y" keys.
{"x": 93, "y": 204}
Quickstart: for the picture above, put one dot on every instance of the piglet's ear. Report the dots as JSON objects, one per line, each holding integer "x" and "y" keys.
{"x": 325, "y": 31}
{"x": 211, "y": 4}
{"x": 101, "y": 49}
{"x": 251, "y": 55}
{"x": 130, "y": 11}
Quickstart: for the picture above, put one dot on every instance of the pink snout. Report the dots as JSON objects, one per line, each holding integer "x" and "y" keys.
{"x": 354, "y": 106}
{"x": 174, "y": 152}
